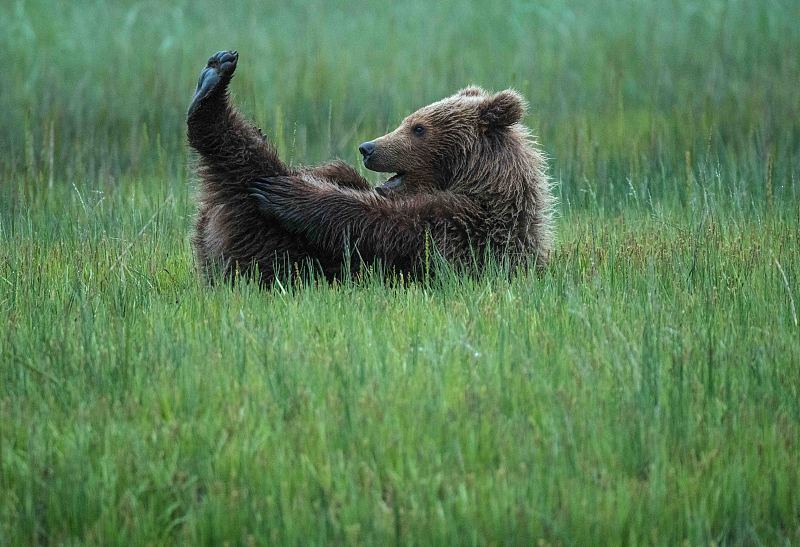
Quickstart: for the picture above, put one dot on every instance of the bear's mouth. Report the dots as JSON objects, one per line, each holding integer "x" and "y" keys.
{"x": 393, "y": 183}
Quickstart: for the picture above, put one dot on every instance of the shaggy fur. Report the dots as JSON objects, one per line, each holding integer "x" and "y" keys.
{"x": 469, "y": 182}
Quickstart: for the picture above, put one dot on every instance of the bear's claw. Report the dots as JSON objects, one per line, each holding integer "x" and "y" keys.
{"x": 218, "y": 70}
{"x": 259, "y": 191}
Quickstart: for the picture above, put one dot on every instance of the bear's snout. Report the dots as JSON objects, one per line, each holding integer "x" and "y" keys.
{"x": 366, "y": 149}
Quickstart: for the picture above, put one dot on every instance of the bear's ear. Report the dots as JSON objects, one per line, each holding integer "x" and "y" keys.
{"x": 502, "y": 109}
{"x": 472, "y": 91}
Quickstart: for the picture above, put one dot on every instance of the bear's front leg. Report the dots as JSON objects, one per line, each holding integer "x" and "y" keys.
{"x": 393, "y": 230}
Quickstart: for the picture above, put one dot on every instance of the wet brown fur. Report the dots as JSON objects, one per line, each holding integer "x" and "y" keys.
{"x": 232, "y": 235}
{"x": 473, "y": 185}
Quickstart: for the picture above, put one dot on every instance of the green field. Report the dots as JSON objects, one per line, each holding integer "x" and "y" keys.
{"x": 645, "y": 389}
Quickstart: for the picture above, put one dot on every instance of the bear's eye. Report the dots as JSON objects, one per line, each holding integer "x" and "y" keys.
{"x": 419, "y": 130}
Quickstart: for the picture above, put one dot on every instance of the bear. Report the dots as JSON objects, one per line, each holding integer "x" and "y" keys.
{"x": 468, "y": 183}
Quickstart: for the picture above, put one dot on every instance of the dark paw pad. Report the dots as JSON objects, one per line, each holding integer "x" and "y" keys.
{"x": 218, "y": 72}
{"x": 223, "y": 62}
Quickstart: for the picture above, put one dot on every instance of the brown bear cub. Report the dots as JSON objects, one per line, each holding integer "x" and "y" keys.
{"x": 469, "y": 184}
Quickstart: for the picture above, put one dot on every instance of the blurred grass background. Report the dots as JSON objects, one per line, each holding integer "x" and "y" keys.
{"x": 98, "y": 90}
{"x": 643, "y": 390}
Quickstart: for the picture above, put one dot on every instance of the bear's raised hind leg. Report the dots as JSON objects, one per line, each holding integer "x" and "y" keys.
{"x": 232, "y": 150}
{"x": 215, "y": 77}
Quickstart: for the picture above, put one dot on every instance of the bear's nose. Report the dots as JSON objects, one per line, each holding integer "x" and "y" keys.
{"x": 367, "y": 149}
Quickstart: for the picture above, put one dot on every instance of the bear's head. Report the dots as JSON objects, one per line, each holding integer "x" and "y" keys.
{"x": 444, "y": 143}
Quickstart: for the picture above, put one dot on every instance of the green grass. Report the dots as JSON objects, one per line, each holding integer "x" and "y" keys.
{"x": 643, "y": 390}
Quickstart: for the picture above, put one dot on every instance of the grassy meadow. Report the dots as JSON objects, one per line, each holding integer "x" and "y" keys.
{"x": 645, "y": 389}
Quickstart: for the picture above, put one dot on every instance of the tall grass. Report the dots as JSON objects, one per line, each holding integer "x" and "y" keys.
{"x": 98, "y": 90}
{"x": 644, "y": 389}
